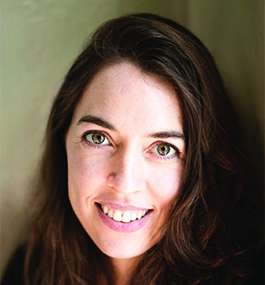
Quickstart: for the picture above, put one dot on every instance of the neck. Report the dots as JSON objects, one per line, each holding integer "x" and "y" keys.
{"x": 124, "y": 269}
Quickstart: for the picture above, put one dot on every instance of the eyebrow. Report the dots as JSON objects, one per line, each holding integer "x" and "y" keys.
{"x": 102, "y": 123}
{"x": 165, "y": 135}
{"x": 96, "y": 120}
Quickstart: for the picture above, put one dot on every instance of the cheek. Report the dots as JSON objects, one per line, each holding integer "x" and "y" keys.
{"x": 84, "y": 175}
{"x": 165, "y": 185}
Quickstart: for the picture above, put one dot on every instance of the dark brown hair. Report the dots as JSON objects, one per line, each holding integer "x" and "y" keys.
{"x": 204, "y": 239}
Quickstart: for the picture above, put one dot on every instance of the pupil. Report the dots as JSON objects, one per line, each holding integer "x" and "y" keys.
{"x": 98, "y": 138}
{"x": 163, "y": 149}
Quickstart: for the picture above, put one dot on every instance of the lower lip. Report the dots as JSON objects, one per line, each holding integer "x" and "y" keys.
{"x": 124, "y": 227}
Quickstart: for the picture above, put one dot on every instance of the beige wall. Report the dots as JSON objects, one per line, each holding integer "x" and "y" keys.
{"x": 40, "y": 39}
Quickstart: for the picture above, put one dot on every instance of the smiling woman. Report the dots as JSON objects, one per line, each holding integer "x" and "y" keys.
{"x": 142, "y": 178}
{"x": 128, "y": 162}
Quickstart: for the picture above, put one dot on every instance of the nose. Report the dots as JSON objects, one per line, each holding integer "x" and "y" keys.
{"x": 127, "y": 173}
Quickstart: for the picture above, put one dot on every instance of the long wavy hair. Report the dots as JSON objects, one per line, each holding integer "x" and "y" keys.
{"x": 204, "y": 240}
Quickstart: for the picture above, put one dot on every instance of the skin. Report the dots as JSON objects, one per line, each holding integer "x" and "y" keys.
{"x": 127, "y": 169}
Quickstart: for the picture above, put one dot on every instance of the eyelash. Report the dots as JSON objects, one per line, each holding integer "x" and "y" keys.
{"x": 165, "y": 158}
{"x": 157, "y": 144}
{"x": 91, "y": 144}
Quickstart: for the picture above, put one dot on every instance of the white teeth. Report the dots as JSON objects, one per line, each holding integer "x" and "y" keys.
{"x": 139, "y": 215}
{"x": 110, "y": 214}
{"x": 117, "y": 216}
{"x": 105, "y": 210}
{"x": 126, "y": 217}
{"x": 133, "y": 217}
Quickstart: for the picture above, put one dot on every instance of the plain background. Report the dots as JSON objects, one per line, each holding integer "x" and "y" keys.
{"x": 41, "y": 38}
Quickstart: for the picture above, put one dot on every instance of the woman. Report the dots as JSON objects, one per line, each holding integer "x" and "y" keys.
{"x": 142, "y": 174}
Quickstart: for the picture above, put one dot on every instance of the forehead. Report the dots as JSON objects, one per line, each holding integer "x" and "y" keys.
{"x": 123, "y": 94}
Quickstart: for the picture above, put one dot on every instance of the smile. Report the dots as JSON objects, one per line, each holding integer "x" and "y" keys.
{"x": 123, "y": 220}
{"x": 125, "y": 217}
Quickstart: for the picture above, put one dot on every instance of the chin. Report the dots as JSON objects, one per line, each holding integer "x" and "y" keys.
{"x": 122, "y": 249}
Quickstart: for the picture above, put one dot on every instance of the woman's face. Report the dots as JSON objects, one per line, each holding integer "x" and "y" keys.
{"x": 125, "y": 150}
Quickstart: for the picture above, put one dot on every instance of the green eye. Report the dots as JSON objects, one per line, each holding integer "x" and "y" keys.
{"x": 163, "y": 149}
{"x": 97, "y": 138}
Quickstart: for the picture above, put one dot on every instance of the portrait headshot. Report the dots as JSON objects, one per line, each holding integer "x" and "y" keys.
{"x": 132, "y": 142}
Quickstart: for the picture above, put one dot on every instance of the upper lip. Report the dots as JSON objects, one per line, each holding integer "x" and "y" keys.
{"x": 117, "y": 206}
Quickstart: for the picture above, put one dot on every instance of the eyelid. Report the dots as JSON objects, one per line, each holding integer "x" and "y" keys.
{"x": 83, "y": 137}
{"x": 156, "y": 144}
{"x": 150, "y": 148}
